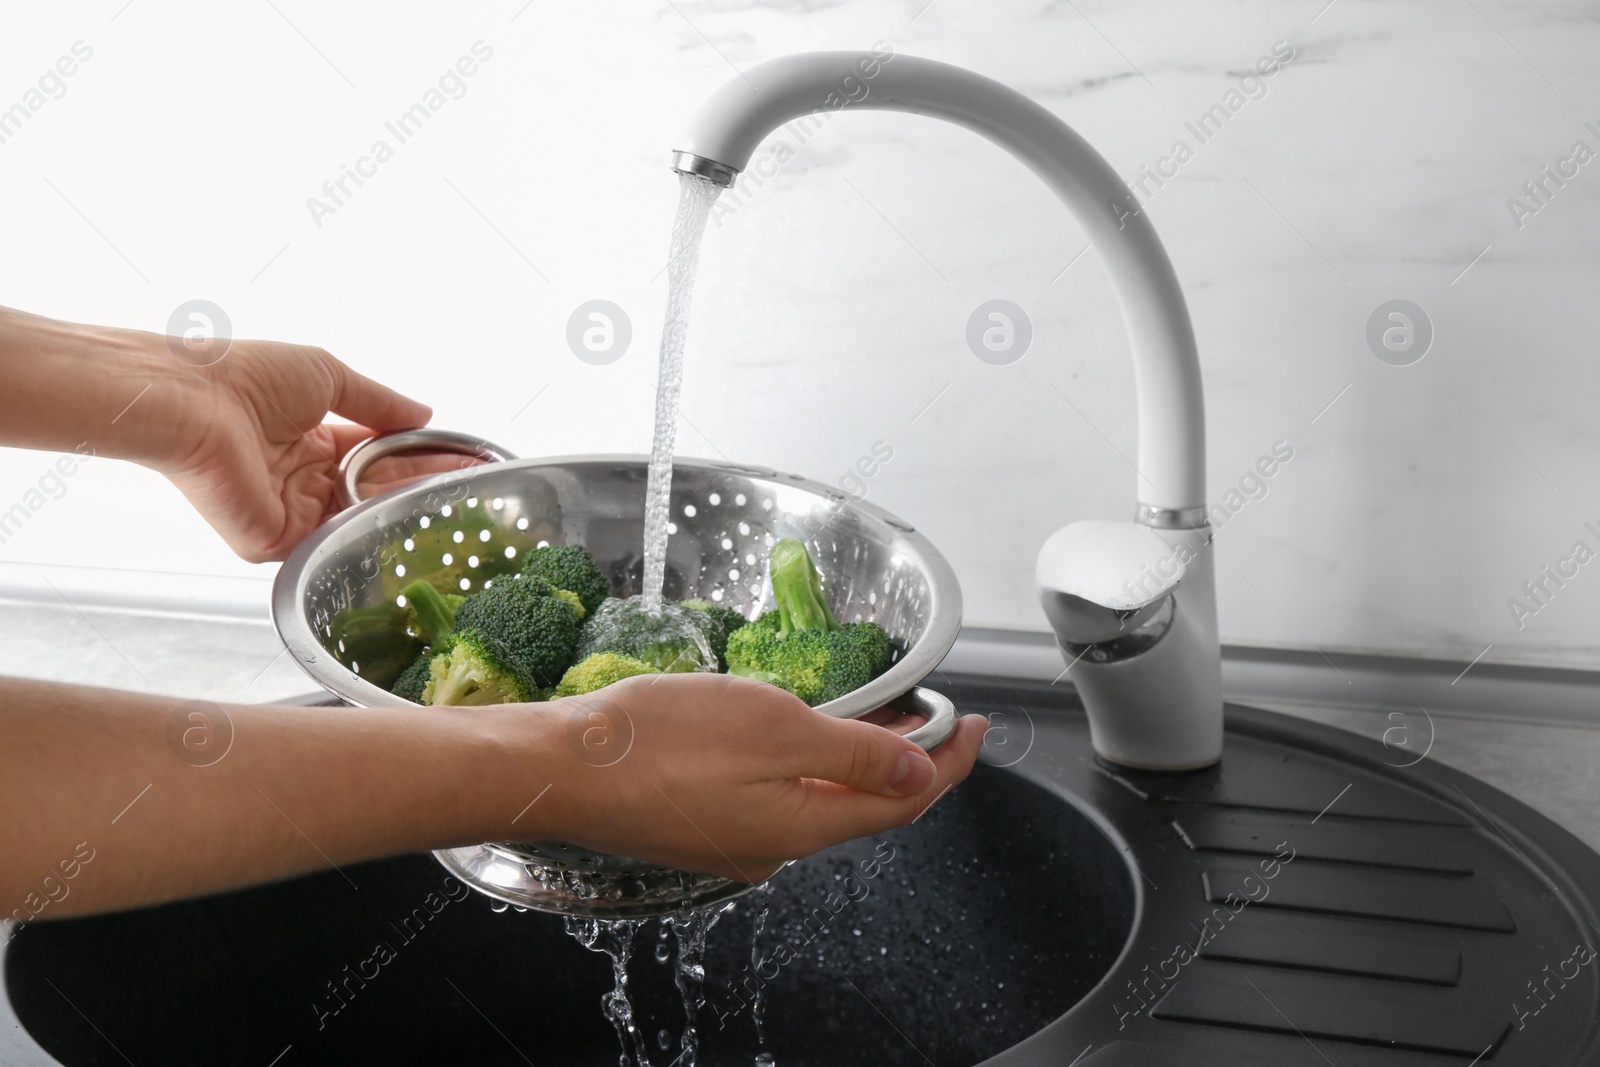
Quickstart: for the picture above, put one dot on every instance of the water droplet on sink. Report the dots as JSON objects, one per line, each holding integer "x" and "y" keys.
{"x": 663, "y": 953}
{"x": 498, "y": 906}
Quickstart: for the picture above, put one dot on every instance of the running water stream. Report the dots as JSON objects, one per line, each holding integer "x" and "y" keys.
{"x": 696, "y": 195}
{"x": 615, "y": 937}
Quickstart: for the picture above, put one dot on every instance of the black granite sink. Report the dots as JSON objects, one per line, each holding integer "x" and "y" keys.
{"x": 1304, "y": 903}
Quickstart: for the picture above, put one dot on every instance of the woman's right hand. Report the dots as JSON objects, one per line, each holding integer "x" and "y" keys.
{"x": 716, "y": 773}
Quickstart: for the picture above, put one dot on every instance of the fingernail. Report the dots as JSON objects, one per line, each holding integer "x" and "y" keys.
{"x": 913, "y": 774}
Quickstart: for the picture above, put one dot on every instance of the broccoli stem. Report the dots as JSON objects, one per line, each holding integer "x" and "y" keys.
{"x": 435, "y": 618}
{"x": 374, "y": 640}
{"x": 797, "y": 589}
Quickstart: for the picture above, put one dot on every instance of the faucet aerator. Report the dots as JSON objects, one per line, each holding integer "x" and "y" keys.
{"x": 701, "y": 167}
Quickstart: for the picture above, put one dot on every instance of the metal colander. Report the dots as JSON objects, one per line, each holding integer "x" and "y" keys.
{"x": 464, "y": 528}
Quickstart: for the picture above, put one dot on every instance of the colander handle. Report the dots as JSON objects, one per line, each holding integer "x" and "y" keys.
{"x": 940, "y": 713}
{"x": 355, "y": 461}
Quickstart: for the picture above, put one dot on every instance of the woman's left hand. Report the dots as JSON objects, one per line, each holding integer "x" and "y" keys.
{"x": 241, "y": 434}
{"x": 259, "y": 462}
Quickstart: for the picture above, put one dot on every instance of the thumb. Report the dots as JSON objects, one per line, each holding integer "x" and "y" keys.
{"x": 861, "y": 756}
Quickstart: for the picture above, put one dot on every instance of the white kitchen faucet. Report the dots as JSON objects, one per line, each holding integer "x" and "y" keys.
{"x": 1133, "y": 604}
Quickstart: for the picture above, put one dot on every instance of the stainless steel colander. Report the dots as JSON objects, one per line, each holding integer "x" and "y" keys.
{"x": 463, "y": 528}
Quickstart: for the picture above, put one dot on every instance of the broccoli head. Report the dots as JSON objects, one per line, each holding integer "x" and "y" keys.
{"x": 526, "y": 626}
{"x": 720, "y": 621}
{"x": 413, "y": 681}
{"x": 572, "y": 598}
{"x": 671, "y": 642}
{"x": 472, "y": 669}
{"x": 570, "y": 567}
{"x": 815, "y": 665}
{"x": 800, "y": 646}
{"x": 872, "y": 642}
{"x": 598, "y": 671}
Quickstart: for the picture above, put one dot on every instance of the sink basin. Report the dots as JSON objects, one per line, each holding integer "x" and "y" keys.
{"x": 1304, "y": 902}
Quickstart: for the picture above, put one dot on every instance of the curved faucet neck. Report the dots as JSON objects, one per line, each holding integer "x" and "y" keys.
{"x": 736, "y": 118}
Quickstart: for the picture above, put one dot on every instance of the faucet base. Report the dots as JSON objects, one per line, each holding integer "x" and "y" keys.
{"x": 1134, "y": 611}
{"x": 1160, "y": 710}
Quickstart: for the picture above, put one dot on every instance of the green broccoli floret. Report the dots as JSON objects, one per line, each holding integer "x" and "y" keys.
{"x": 815, "y": 665}
{"x": 530, "y": 629}
{"x": 719, "y": 623}
{"x": 473, "y": 669}
{"x": 413, "y": 681}
{"x": 570, "y": 567}
{"x": 572, "y": 598}
{"x": 800, "y": 646}
{"x": 753, "y": 653}
{"x": 432, "y": 614}
{"x": 671, "y": 642}
{"x": 598, "y": 671}
{"x": 872, "y": 642}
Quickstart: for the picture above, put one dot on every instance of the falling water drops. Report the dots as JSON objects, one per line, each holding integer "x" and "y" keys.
{"x": 614, "y": 938}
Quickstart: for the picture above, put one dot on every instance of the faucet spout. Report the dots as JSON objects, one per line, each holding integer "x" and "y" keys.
{"x": 1153, "y": 694}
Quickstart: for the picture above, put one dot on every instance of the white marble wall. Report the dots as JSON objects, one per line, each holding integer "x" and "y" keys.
{"x": 1376, "y": 164}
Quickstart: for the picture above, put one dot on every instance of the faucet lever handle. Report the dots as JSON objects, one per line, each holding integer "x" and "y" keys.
{"x": 1121, "y": 566}
{"x": 1099, "y": 580}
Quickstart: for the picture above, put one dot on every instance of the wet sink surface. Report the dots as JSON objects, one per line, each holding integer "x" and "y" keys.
{"x": 939, "y": 937}
{"x": 1305, "y": 902}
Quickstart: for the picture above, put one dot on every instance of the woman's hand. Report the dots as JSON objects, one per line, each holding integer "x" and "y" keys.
{"x": 255, "y": 456}
{"x": 239, "y": 429}
{"x": 721, "y": 774}
{"x": 701, "y": 771}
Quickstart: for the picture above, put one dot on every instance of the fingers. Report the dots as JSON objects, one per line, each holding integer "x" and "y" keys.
{"x": 855, "y": 754}
{"x": 362, "y": 400}
{"x": 838, "y": 814}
